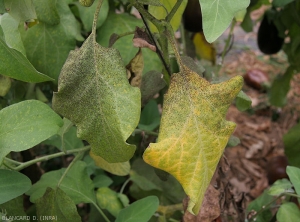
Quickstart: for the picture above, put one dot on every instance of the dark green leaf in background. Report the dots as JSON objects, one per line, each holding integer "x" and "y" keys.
{"x": 15, "y": 65}
{"x": 257, "y": 205}
{"x": 12, "y": 185}
{"x": 242, "y": 101}
{"x": 143, "y": 182}
{"x": 172, "y": 192}
{"x": 288, "y": 212}
{"x": 152, "y": 83}
{"x": 102, "y": 181}
{"x": 14, "y": 207}
{"x": 10, "y": 28}
{"x": 247, "y": 24}
{"x": 87, "y": 15}
{"x": 57, "y": 206}
{"x": 120, "y": 24}
{"x": 76, "y": 184}
{"x": 291, "y": 142}
{"x": 150, "y": 117}
{"x": 281, "y": 3}
{"x": 139, "y": 211}
{"x": 2, "y": 7}
{"x": 46, "y": 11}
{"x": 21, "y": 10}
{"x": 26, "y": 124}
{"x": 280, "y": 88}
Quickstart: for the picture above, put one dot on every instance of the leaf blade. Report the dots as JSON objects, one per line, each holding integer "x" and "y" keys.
{"x": 12, "y": 185}
{"x": 197, "y": 133}
{"x": 217, "y": 15}
{"x": 102, "y": 113}
{"x": 28, "y": 119}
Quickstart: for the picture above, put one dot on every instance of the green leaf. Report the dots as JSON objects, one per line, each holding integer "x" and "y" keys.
{"x": 120, "y": 169}
{"x": 55, "y": 205}
{"x": 11, "y": 32}
{"x": 233, "y": 141}
{"x": 152, "y": 83}
{"x": 161, "y": 13}
{"x": 124, "y": 199}
{"x": 14, "y": 207}
{"x": 172, "y": 192}
{"x": 26, "y": 124}
{"x": 294, "y": 175}
{"x": 258, "y": 204}
{"x": 98, "y": 99}
{"x": 281, "y": 3}
{"x": 150, "y": 117}
{"x": 5, "y": 84}
{"x": 21, "y": 10}
{"x": 194, "y": 129}
{"x": 288, "y": 212}
{"x": 247, "y": 24}
{"x": 46, "y": 11}
{"x": 2, "y": 7}
{"x": 243, "y": 102}
{"x": 291, "y": 142}
{"x": 87, "y": 15}
{"x": 141, "y": 210}
{"x": 120, "y": 24}
{"x": 280, "y": 88}
{"x": 102, "y": 181}
{"x": 143, "y": 182}
{"x": 12, "y": 184}
{"x": 109, "y": 200}
{"x": 279, "y": 187}
{"x": 48, "y": 46}
{"x": 15, "y": 65}
{"x": 76, "y": 184}
{"x": 68, "y": 21}
{"x": 66, "y": 138}
{"x": 217, "y": 16}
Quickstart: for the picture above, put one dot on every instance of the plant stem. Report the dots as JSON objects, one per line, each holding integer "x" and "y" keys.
{"x": 174, "y": 10}
{"x": 77, "y": 157}
{"x": 228, "y": 39}
{"x": 48, "y": 157}
{"x": 101, "y": 212}
{"x": 146, "y": 132}
{"x": 12, "y": 161}
{"x": 292, "y": 195}
{"x": 265, "y": 207}
{"x": 124, "y": 185}
{"x": 96, "y": 17}
{"x": 158, "y": 50}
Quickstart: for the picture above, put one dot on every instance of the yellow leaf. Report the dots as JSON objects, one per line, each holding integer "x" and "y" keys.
{"x": 120, "y": 169}
{"x": 135, "y": 68}
{"x": 161, "y": 13}
{"x": 204, "y": 49}
{"x": 193, "y": 131}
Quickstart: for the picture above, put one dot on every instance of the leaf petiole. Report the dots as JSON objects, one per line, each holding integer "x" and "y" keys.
{"x": 44, "y": 158}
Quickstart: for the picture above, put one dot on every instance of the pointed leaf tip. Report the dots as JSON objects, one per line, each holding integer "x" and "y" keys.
{"x": 94, "y": 93}
{"x": 193, "y": 131}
